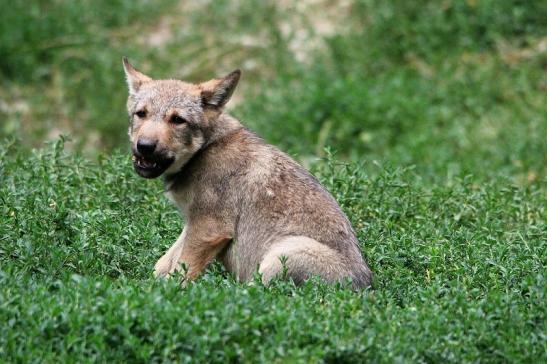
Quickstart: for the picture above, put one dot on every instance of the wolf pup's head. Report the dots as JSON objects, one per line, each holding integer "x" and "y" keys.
{"x": 170, "y": 120}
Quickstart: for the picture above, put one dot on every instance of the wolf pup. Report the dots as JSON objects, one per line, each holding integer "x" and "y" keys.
{"x": 245, "y": 202}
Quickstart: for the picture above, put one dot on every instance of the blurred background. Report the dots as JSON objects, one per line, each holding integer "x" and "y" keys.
{"x": 450, "y": 87}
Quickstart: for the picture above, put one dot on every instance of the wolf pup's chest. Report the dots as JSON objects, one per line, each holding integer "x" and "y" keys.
{"x": 181, "y": 199}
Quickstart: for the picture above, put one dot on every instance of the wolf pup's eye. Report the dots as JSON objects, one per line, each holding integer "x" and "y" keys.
{"x": 141, "y": 113}
{"x": 175, "y": 119}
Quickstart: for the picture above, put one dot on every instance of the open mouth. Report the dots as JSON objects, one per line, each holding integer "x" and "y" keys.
{"x": 150, "y": 167}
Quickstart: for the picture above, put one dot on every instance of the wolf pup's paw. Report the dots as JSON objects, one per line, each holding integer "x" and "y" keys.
{"x": 163, "y": 267}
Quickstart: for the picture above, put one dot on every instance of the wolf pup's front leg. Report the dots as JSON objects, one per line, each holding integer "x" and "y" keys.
{"x": 167, "y": 264}
{"x": 195, "y": 249}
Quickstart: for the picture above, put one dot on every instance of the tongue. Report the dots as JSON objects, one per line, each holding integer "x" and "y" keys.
{"x": 147, "y": 164}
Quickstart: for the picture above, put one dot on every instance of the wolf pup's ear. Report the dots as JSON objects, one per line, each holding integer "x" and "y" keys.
{"x": 134, "y": 78}
{"x": 216, "y": 93}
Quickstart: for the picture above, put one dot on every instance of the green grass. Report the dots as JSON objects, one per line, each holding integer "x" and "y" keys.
{"x": 459, "y": 273}
{"x": 437, "y": 111}
{"x": 442, "y": 87}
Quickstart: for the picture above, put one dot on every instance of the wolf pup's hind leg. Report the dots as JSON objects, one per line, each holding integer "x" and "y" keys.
{"x": 305, "y": 257}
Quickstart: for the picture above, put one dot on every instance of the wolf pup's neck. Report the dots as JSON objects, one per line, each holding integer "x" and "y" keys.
{"x": 224, "y": 126}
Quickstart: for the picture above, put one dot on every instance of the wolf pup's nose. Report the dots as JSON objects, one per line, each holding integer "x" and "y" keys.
{"x": 146, "y": 146}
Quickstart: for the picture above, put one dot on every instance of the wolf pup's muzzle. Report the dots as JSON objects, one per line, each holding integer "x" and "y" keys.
{"x": 150, "y": 161}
